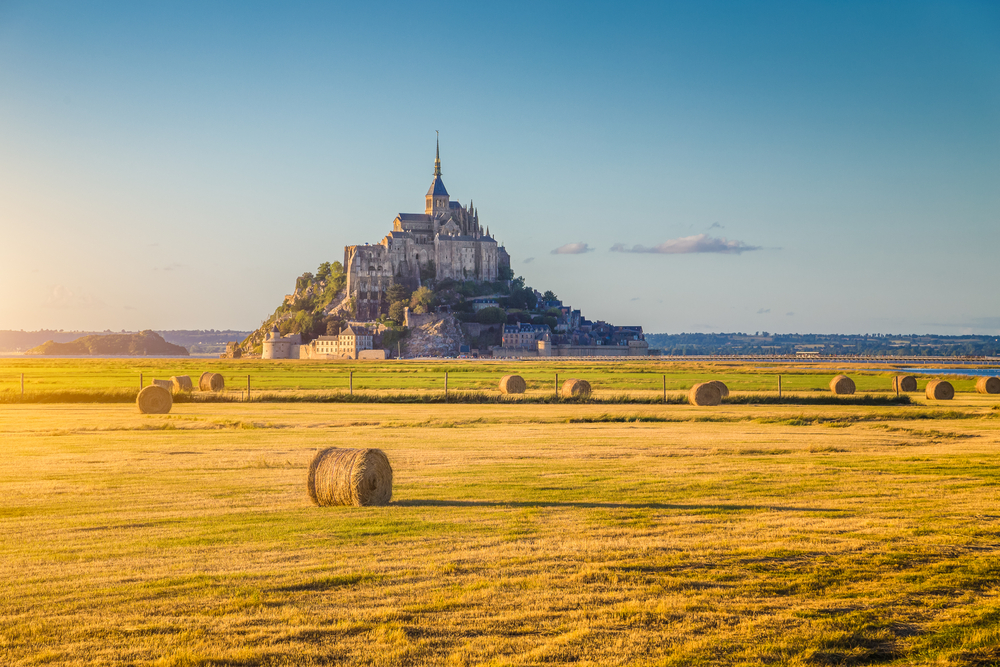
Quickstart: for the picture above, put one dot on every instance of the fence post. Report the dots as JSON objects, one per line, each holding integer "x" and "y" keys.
{"x": 664, "y": 388}
{"x": 779, "y": 386}
{"x": 22, "y": 384}
{"x": 350, "y": 381}
{"x": 557, "y": 385}
{"x": 248, "y": 388}
{"x": 446, "y": 384}
{"x": 140, "y": 381}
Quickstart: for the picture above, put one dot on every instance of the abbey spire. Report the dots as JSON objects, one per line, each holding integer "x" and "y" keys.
{"x": 437, "y": 194}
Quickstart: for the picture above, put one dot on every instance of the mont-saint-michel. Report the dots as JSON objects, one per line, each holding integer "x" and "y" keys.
{"x": 437, "y": 285}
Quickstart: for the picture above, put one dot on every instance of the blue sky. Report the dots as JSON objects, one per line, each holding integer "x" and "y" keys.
{"x": 788, "y": 167}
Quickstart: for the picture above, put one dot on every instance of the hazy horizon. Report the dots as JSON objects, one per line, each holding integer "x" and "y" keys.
{"x": 718, "y": 167}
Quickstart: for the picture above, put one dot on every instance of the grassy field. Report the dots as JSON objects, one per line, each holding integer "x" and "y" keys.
{"x": 518, "y": 535}
{"x": 643, "y": 378}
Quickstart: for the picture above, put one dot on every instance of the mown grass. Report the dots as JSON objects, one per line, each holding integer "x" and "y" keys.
{"x": 459, "y": 397}
{"x": 637, "y": 376}
{"x": 519, "y": 534}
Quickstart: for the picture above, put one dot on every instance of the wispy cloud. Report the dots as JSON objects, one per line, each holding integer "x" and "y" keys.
{"x": 170, "y": 267}
{"x": 789, "y": 314}
{"x": 715, "y": 225}
{"x": 762, "y": 311}
{"x": 529, "y": 260}
{"x": 690, "y": 244}
{"x": 572, "y": 249}
{"x": 62, "y": 298}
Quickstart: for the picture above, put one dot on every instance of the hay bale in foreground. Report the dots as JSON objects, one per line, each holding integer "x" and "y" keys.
{"x": 211, "y": 382}
{"x": 512, "y": 384}
{"x": 705, "y": 393}
{"x": 723, "y": 389}
{"x": 988, "y": 385}
{"x": 166, "y": 384}
{"x": 575, "y": 389}
{"x": 182, "y": 383}
{"x": 842, "y": 385}
{"x": 940, "y": 390}
{"x": 357, "y": 477}
{"x": 904, "y": 383}
{"x": 154, "y": 400}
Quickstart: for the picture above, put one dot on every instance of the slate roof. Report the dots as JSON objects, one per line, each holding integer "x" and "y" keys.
{"x": 437, "y": 187}
{"x": 414, "y": 217}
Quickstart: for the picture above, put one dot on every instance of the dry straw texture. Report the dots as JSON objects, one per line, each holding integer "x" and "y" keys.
{"x": 154, "y": 400}
{"x": 182, "y": 383}
{"x": 705, "y": 393}
{"x": 211, "y": 382}
{"x": 512, "y": 384}
{"x": 357, "y": 477}
{"x": 988, "y": 385}
{"x": 940, "y": 390}
{"x": 723, "y": 389}
{"x": 903, "y": 383}
{"x": 166, "y": 384}
{"x": 575, "y": 389}
{"x": 841, "y": 385}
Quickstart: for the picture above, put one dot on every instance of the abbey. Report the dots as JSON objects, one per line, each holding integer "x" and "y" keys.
{"x": 445, "y": 241}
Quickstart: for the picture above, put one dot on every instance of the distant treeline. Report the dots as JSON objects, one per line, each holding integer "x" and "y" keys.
{"x": 910, "y": 345}
{"x": 193, "y": 340}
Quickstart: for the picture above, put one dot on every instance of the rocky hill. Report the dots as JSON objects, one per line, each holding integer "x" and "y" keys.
{"x": 433, "y": 336}
{"x": 317, "y": 306}
{"x": 133, "y": 344}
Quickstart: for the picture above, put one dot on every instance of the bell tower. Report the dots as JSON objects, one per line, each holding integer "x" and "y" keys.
{"x": 437, "y": 196}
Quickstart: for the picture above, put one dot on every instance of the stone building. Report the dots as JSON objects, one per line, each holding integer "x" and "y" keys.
{"x": 445, "y": 241}
{"x": 348, "y": 344}
{"x": 276, "y": 346}
{"x": 352, "y": 343}
{"x": 524, "y": 336}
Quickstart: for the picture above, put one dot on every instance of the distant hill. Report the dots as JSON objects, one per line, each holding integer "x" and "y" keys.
{"x": 132, "y": 344}
{"x": 762, "y": 342}
{"x": 206, "y": 341}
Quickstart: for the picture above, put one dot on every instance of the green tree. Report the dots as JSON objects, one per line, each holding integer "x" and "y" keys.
{"x": 491, "y": 315}
{"x": 421, "y": 300}
{"x": 396, "y": 311}
{"x": 397, "y": 292}
{"x": 428, "y": 271}
{"x": 334, "y": 325}
{"x": 323, "y": 272}
{"x": 549, "y": 296}
{"x": 303, "y": 281}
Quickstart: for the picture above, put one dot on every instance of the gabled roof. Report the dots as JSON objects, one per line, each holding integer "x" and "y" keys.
{"x": 414, "y": 217}
{"x": 437, "y": 187}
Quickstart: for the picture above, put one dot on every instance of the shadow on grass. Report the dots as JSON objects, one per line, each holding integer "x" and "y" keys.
{"x": 595, "y": 505}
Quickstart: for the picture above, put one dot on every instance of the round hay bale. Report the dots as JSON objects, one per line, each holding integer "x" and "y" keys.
{"x": 575, "y": 389}
{"x": 182, "y": 383}
{"x": 166, "y": 384}
{"x": 904, "y": 383}
{"x": 988, "y": 385}
{"x": 940, "y": 390}
{"x": 154, "y": 400}
{"x": 512, "y": 384}
{"x": 705, "y": 393}
{"x": 211, "y": 382}
{"x": 357, "y": 477}
{"x": 842, "y": 385}
{"x": 723, "y": 389}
